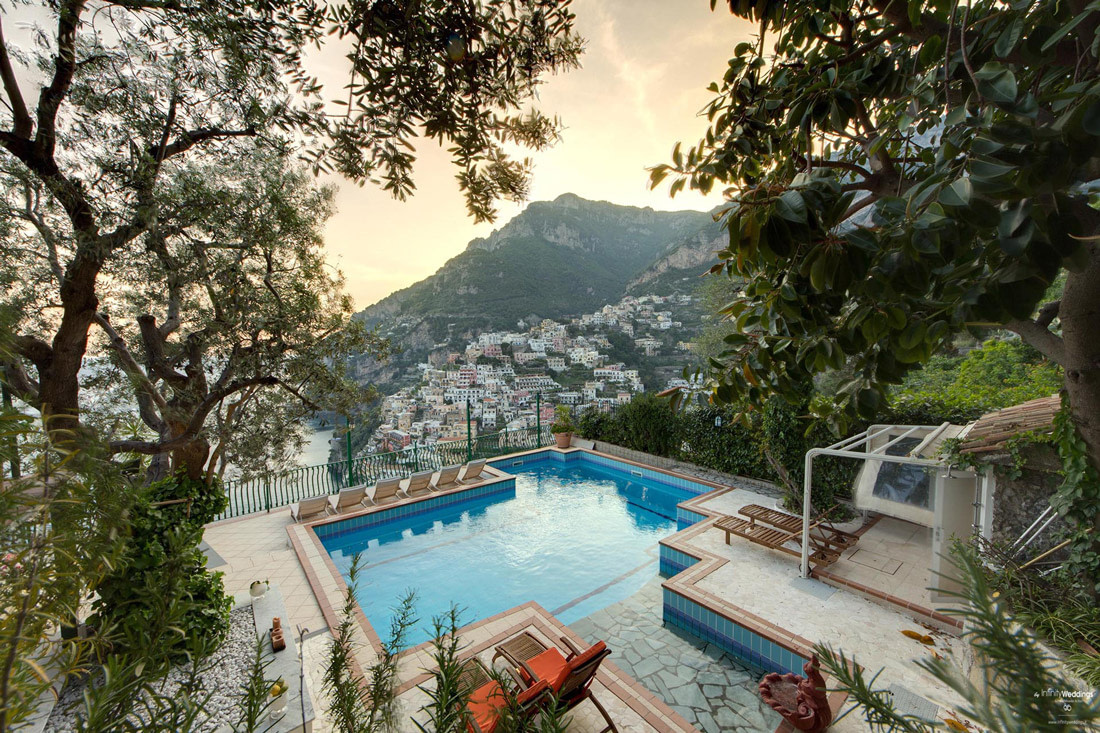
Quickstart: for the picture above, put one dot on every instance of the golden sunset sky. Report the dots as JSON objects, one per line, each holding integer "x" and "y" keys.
{"x": 640, "y": 88}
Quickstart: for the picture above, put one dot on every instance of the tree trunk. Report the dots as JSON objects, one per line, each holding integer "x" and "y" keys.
{"x": 1080, "y": 316}
{"x": 59, "y": 382}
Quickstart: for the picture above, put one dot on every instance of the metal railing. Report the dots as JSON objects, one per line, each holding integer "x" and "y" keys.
{"x": 268, "y": 492}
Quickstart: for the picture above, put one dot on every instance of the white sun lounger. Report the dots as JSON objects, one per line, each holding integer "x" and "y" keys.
{"x": 419, "y": 483}
{"x": 348, "y": 500}
{"x": 447, "y": 478}
{"x": 312, "y": 508}
{"x": 387, "y": 490}
{"x": 475, "y": 471}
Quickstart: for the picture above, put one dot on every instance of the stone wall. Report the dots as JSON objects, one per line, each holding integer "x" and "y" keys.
{"x": 1020, "y": 500}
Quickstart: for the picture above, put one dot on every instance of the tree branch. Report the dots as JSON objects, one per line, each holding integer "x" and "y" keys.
{"x": 154, "y": 351}
{"x": 22, "y": 125}
{"x": 1048, "y": 313}
{"x": 147, "y": 394}
{"x": 1039, "y": 336}
{"x": 49, "y": 101}
{"x": 21, "y": 383}
{"x": 189, "y": 139}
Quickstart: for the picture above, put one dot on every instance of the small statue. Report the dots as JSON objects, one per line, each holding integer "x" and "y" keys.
{"x": 802, "y": 701}
{"x": 278, "y": 643}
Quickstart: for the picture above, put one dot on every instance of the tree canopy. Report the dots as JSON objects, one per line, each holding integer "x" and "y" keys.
{"x": 900, "y": 172}
{"x": 139, "y": 97}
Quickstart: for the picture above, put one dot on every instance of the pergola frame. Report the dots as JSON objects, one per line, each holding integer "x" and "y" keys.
{"x": 846, "y": 449}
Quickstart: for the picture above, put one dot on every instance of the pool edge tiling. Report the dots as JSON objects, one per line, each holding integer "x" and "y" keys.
{"x": 753, "y": 639}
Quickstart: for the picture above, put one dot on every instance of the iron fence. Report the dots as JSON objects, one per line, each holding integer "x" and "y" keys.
{"x": 279, "y": 489}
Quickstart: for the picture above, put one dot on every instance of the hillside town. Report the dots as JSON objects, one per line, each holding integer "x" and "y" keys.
{"x": 512, "y": 380}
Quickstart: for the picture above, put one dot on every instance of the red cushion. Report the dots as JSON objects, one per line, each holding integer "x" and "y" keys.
{"x": 485, "y": 702}
{"x": 587, "y": 655}
{"x": 549, "y": 666}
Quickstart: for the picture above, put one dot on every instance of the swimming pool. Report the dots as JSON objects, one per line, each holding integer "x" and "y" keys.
{"x": 578, "y": 533}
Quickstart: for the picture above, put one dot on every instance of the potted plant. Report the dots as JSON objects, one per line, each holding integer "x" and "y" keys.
{"x": 563, "y": 427}
{"x": 258, "y": 588}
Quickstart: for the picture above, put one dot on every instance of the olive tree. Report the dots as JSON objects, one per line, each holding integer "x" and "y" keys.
{"x": 135, "y": 90}
{"x": 899, "y": 172}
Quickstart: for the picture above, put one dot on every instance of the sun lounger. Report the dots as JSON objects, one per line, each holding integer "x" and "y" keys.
{"x": 387, "y": 490}
{"x": 447, "y": 478}
{"x": 475, "y": 471}
{"x": 487, "y": 699}
{"x": 419, "y": 483}
{"x": 349, "y": 500}
{"x": 776, "y": 539}
{"x": 824, "y": 532}
{"x": 569, "y": 676}
{"x": 314, "y": 507}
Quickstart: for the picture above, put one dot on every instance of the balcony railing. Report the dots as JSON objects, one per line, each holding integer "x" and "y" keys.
{"x": 270, "y": 491}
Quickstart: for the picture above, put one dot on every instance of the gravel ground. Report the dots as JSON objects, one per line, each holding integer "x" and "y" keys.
{"x": 229, "y": 668}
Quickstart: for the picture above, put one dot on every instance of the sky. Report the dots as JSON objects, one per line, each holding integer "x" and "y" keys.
{"x": 639, "y": 90}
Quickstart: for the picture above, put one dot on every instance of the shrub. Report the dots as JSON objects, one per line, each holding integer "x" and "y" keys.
{"x": 729, "y": 447}
{"x": 161, "y": 593}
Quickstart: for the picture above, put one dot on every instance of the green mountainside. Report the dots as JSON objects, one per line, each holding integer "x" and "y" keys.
{"x": 557, "y": 258}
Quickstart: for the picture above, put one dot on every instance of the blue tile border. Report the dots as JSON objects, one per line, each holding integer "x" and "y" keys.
{"x": 685, "y": 484}
{"x": 746, "y": 645}
{"x": 672, "y": 561}
{"x": 412, "y": 509}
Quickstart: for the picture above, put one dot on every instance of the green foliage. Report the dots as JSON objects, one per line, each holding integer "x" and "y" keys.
{"x": 255, "y": 696}
{"x": 1077, "y": 500}
{"x": 447, "y": 697}
{"x": 357, "y": 705}
{"x": 160, "y": 597}
{"x": 768, "y": 445}
{"x": 55, "y": 548}
{"x": 644, "y": 424}
{"x": 563, "y": 420}
{"x": 731, "y": 447}
{"x": 1021, "y": 682}
{"x": 959, "y": 389}
{"x": 897, "y": 180}
{"x": 1055, "y": 608}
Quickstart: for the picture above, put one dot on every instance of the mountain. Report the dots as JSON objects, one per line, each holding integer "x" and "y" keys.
{"x": 557, "y": 258}
{"x": 681, "y": 266}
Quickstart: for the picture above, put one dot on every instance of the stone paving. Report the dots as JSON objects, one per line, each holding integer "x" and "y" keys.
{"x": 705, "y": 685}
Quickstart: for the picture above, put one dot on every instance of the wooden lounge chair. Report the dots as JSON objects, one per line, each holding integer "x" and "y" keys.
{"x": 419, "y": 483}
{"x": 349, "y": 500}
{"x": 447, "y": 478}
{"x": 314, "y": 507}
{"x": 387, "y": 490}
{"x": 825, "y": 531}
{"x": 569, "y": 676}
{"x": 777, "y": 539}
{"x": 475, "y": 471}
{"x": 488, "y": 700}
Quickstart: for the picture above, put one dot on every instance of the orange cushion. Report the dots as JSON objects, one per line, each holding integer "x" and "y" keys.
{"x": 484, "y": 703}
{"x": 549, "y": 666}
{"x": 587, "y": 655}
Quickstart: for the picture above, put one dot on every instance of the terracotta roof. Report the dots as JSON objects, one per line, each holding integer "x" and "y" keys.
{"x": 991, "y": 432}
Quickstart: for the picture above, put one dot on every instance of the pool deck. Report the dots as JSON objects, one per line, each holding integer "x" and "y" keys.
{"x": 858, "y": 611}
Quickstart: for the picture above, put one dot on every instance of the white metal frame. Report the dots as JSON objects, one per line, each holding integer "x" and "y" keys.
{"x": 844, "y": 449}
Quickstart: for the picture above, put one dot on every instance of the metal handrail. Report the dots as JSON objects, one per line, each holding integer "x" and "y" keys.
{"x": 277, "y": 489}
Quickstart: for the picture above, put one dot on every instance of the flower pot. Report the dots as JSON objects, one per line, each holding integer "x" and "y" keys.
{"x": 257, "y": 590}
{"x": 563, "y": 439}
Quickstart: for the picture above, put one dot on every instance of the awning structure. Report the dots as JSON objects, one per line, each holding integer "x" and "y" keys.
{"x": 858, "y": 447}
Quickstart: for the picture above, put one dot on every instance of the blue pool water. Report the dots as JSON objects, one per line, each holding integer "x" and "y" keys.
{"x": 575, "y": 537}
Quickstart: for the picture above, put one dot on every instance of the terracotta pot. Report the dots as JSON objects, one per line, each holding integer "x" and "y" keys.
{"x": 563, "y": 439}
